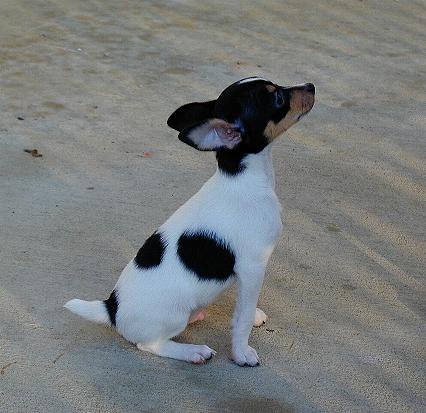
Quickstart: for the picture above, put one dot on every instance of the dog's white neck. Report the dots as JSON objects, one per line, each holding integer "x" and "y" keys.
{"x": 258, "y": 172}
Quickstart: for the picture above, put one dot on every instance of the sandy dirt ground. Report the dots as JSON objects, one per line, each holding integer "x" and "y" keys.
{"x": 90, "y": 84}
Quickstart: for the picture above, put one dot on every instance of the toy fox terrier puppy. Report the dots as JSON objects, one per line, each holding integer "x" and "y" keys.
{"x": 224, "y": 234}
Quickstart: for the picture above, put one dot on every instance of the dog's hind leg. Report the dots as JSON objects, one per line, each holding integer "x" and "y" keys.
{"x": 192, "y": 353}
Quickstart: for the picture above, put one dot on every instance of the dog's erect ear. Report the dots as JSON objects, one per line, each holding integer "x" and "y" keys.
{"x": 211, "y": 135}
{"x": 191, "y": 114}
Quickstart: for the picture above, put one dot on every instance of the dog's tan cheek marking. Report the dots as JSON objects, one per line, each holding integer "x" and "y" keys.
{"x": 297, "y": 101}
{"x": 273, "y": 130}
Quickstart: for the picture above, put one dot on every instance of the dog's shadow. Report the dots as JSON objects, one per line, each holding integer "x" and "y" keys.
{"x": 128, "y": 378}
{"x": 253, "y": 405}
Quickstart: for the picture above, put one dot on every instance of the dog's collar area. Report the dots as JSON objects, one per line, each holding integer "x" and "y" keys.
{"x": 231, "y": 163}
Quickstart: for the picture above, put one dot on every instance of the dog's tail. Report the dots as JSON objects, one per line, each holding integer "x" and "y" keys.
{"x": 102, "y": 312}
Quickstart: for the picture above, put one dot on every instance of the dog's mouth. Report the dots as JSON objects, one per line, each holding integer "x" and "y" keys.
{"x": 303, "y": 101}
{"x": 308, "y": 100}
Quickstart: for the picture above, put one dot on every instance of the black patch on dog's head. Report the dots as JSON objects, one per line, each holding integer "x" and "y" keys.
{"x": 206, "y": 255}
{"x": 244, "y": 119}
{"x": 151, "y": 253}
{"x": 111, "y": 305}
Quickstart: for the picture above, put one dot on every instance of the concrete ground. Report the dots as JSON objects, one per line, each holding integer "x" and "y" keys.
{"x": 90, "y": 84}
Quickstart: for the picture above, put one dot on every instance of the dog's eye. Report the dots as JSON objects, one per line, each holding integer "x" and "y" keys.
{"x": 279, "y": 99}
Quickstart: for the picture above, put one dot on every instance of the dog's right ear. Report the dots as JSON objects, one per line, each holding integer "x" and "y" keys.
{"x": 191, "y": 114}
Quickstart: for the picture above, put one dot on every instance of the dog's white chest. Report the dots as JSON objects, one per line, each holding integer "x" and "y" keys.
{"x": 261, "y": 220}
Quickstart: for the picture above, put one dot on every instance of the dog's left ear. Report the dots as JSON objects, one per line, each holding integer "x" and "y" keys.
{"x": 211, "y": 135}
{"x": 191, "y": 114}
{"x": 200, "y": 129}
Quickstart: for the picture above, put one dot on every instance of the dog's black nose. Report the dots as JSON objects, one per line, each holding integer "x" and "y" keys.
{"x": 309, "y": 87}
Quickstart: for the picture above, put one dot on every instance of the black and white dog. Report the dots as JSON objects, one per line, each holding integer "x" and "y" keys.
{"x": 226, "y": 232}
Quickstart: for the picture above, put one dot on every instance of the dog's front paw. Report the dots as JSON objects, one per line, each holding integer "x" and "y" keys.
{"x": 245, "y": 357}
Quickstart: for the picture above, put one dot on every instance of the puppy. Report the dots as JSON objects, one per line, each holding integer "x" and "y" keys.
{"x": 224, "y": 234}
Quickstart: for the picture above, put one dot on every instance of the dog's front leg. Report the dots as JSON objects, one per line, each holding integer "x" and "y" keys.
{"x": 249, "y": 284}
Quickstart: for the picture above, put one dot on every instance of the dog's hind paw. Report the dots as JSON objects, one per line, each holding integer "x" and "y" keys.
{"x": 260, "y": 318}
{"x": 200, "y": 354}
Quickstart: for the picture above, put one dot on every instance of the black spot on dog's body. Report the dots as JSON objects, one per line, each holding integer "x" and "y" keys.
{"x": 111, "y": 305}
{"x": 151, "y": 253}
{"x": 209, "y": 257}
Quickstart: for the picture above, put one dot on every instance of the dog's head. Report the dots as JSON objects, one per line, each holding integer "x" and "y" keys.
{"x": 247, "y": 116}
